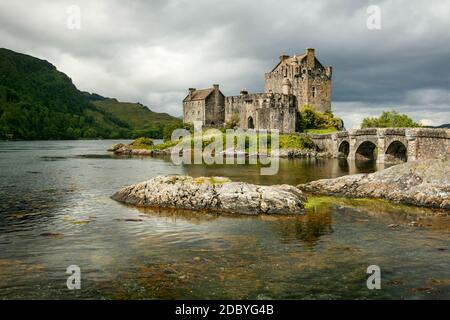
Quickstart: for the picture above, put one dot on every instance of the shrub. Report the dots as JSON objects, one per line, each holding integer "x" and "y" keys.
{"x": 142, "y": 141}
{"x": 309, "y": 118}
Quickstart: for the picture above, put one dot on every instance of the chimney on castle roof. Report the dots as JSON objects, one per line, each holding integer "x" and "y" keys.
{"x": 191, "y": 91}
{"x": 244, "y": 92}
{"x": 310, "y": 60}
{"x": 329, "y": 71}
{"x": 283, "y": 57}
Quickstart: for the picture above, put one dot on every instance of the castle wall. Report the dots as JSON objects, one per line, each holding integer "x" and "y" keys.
{"x": 264, "y": 111}
{"x": 194, "y": 111}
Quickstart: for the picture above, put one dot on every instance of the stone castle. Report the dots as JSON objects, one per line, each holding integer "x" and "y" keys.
{"x": 293, "y": 83}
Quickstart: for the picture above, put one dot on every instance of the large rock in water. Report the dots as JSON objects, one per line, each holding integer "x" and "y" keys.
{"x": 214, "y": 194}
{"x": 423, "y": 183}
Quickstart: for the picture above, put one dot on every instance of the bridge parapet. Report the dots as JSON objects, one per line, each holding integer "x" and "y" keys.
{"x": 339, "y": 135}
{"x": 382, "y": 132}
{"x": 363, "y": 132}
{"x": 320, "y": 136}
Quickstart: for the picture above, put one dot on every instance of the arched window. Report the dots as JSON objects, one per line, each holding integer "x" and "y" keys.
{"x": 250, "y": 125}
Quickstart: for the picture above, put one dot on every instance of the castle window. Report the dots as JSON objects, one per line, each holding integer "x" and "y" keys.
{"x": 297, "y": 71}
{"x": 285, "y": 71}
{"x": 313, "y": 91}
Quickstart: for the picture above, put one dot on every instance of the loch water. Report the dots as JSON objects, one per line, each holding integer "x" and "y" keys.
{"x": 56, "y": 211}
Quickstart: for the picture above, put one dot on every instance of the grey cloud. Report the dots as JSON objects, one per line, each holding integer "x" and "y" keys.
{"x": 151, "y": 51}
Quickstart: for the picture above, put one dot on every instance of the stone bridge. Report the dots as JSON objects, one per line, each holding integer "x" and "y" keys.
{"x": 387, "y": 144}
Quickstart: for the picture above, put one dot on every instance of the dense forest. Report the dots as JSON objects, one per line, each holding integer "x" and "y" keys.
{"x": 39, "y": 102}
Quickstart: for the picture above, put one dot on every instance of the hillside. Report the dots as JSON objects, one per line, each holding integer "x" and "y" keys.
{"x": 141, "y": 119}
{"x": 39, "y": 102}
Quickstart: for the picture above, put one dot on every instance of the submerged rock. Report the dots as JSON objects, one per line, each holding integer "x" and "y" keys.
{"x": 422, "y": 183}
{"x": 303, "y": 153}
{"x": 214, "y": 194}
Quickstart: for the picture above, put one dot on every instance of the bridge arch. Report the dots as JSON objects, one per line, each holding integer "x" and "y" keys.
{"x": 367, "y": 150}
{"x": 396, "y": 152}
{"x": 344, "y": 149}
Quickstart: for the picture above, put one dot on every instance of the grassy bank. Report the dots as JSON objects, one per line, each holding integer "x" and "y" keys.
{"x": 286, "y": 141}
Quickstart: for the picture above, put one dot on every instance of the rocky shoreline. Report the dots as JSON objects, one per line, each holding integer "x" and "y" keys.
{"x": 123, "y": 149}
{"x": 422, "y": 183}
{"x": 216, "y": 194}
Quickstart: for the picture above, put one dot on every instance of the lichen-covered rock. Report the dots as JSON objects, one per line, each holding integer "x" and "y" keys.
{"x": 123, "y": 150}
{"x": 423, "y": 183}
{"x": 116, "y": 147}
{"x": 214, "y": 194}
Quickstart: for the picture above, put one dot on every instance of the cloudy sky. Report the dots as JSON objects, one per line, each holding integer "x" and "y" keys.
{"x": 152, "y": 51}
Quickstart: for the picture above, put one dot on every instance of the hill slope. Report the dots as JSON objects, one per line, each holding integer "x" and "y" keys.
{"x": 39, "y": 102}
{"x": 141, "y": 119}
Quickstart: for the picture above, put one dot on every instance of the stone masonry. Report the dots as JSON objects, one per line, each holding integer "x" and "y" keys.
{"x": 303, "y": 76}
{"x": 387, "y": 144}
{"x": 294, "y": 82}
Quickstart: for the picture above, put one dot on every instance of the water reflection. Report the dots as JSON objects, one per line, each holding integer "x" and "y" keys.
{"x": 291, "y": 171}
{"x": 308, "y": 228}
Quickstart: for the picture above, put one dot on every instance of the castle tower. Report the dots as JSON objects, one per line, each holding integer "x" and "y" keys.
{"x": 310, "y": 81}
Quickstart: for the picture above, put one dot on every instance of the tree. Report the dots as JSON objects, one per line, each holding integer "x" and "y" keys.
{"x": 90, "y": 134}
{"x": 389, "y": 119}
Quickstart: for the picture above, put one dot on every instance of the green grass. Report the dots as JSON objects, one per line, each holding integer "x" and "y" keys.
{"x": 293, "y": 141}
{"x": 158, "y": 147}
{"x": 321, "y": 131}
{"x": 287, "y": 141}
